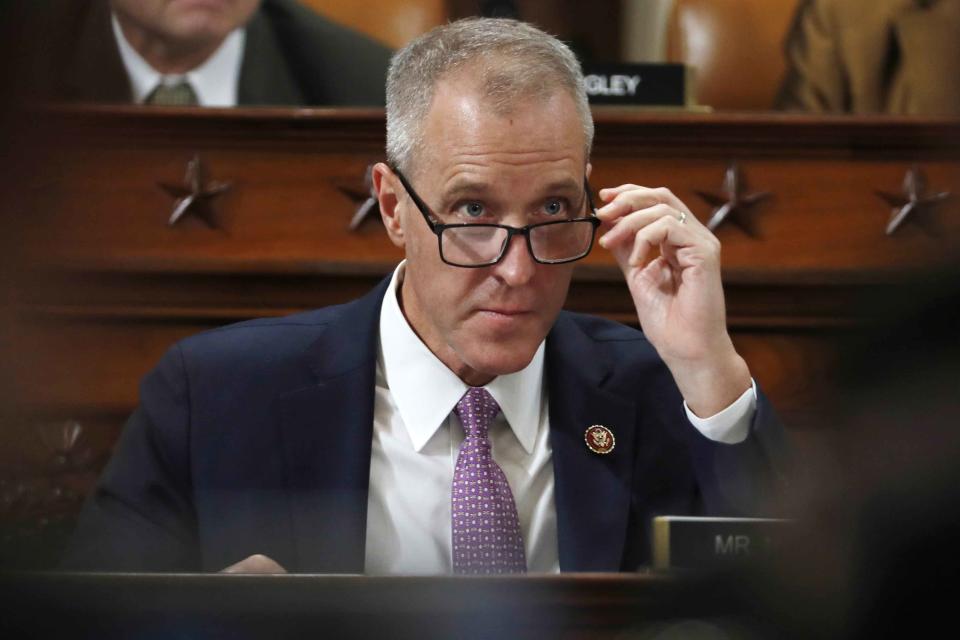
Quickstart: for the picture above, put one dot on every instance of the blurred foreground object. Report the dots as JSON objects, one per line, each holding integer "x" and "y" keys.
{"x": 875, "y": 553}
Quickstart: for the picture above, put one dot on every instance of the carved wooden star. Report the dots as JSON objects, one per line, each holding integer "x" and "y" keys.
{"x": 66, "y": 442}
{"x": 364, "y": 197}
{"x": 196, "y": 194}
{"x": 914, "y": 198}
{"x": 734, "y": 204}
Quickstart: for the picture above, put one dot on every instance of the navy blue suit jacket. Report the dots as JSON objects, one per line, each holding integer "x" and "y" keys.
{"x": 256, "y": 438}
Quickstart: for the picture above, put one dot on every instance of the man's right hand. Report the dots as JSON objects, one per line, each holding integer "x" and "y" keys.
{"x": 257, "y": 563}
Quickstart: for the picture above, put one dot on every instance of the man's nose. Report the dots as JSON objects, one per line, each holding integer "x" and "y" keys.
{"x": 517, "y": 266}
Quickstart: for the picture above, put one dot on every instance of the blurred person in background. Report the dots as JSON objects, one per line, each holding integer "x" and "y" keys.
{"x": 874, "y": 56}
{"x": 217, "y": 53}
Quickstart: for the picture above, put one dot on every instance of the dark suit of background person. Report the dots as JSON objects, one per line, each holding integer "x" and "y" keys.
{"x": 256, "y": 438}
{"x": 874, "y": 56}
{"x": 292, "y": 57}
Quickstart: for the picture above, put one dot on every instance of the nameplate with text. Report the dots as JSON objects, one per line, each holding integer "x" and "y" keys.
{"x": 681, "y": 542}
{"x": 637, "y": 84}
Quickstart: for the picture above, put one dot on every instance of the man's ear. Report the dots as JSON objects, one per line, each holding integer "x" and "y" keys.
{"x": 589, "y": 169}
{"x": 385, "y": 184}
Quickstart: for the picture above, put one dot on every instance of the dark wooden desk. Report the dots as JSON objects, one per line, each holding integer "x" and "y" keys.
{"x": 215, "y": 606}
{"x": 99, "y": 285}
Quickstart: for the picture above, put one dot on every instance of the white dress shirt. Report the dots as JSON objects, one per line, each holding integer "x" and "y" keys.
{"x": 416, "y": 439}
{"x": 215, "y": 81}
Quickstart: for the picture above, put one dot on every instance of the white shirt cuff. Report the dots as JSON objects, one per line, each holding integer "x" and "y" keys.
{"x": 732, "y": 425}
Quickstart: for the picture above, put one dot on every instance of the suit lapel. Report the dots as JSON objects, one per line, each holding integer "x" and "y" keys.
{"x": 592, "y": 490}
{"x": 94, "y": 71}
{"x": 265, "y": 77}
{"x": 327, "y": 431}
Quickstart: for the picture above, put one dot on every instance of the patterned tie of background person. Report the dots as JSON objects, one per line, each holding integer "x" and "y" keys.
{"x": 179, "y": 94}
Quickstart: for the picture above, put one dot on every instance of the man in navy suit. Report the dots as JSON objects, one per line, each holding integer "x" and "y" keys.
{"x": 329, "y": 441}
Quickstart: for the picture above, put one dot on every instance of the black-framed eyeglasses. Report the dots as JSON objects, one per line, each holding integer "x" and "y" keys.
{"x": 483, "y": 244}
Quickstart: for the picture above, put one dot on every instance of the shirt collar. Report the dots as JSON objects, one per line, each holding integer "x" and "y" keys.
{"x": 215, "y": 81}
{"x": 426, "y": 391}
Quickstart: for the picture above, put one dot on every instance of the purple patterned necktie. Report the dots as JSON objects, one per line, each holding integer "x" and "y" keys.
{"x": 486, "y": 529}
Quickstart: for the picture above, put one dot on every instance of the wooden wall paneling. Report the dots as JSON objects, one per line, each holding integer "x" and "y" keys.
{"x": 289, "y": 203}
{"x": 794, "y": 366}
{"x": 89, "y": 365}
{"x": 99, "y": 286}
{"x": 824, "y": 214}
{"x": 97, "y": 245}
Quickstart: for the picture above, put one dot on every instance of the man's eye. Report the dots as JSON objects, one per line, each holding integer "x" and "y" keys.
{"x": 471, "y": 209}
{"x": 555, "y": 207}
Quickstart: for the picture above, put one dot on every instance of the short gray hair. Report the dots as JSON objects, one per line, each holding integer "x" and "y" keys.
{"x": 513, "y": 60}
